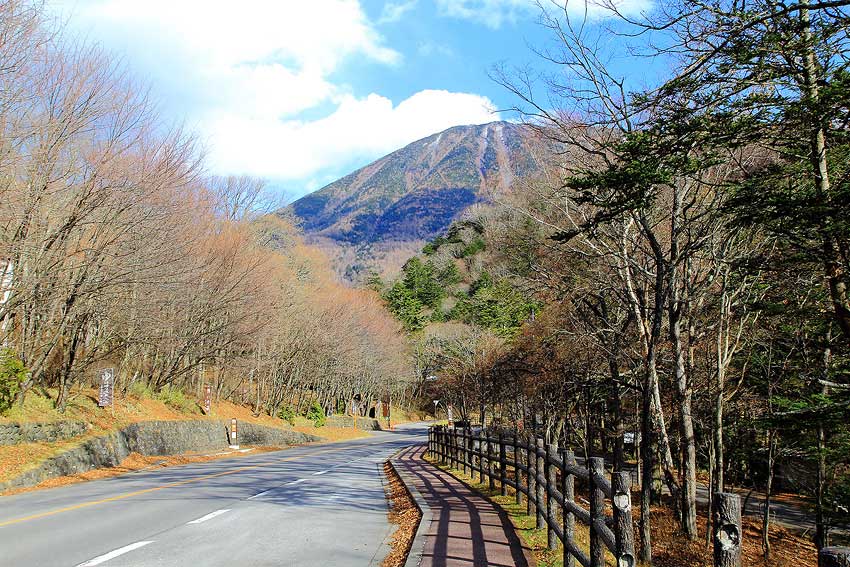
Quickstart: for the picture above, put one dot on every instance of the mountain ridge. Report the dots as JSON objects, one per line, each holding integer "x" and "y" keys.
{"x": 414, "y": 193}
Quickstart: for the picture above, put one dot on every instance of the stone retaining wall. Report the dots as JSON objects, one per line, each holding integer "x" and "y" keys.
{"x": 153, "y": 438}
{"x": 16, "y": 433}
{"x": 365, "y": 423}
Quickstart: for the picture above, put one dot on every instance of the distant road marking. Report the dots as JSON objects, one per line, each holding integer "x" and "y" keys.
{"x": 113, "y": 554}
{"x": 263, "y": 493}
{"x": 320, "y": 472}
{"x": 295, "y": 481}
{"x": 209, "y": 516}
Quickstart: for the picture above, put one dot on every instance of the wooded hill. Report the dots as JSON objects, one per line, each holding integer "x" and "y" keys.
{"x": 681, "y": 269}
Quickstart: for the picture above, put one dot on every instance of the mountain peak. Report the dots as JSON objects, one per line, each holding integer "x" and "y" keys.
{"x": 416, "y": 192}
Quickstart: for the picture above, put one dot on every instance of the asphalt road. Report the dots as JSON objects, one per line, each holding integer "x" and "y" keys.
{"x": 312, "y": 505}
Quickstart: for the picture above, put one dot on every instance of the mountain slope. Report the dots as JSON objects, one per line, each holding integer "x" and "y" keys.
{"x": 415, "y": 193}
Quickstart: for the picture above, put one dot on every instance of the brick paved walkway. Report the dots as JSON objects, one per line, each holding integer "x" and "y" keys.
{"x": 466, "y": 529}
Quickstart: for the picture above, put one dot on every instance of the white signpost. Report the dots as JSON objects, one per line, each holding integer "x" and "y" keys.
{"x": 106, "y": 396}
{"x": 207, "y": 398}
{"x": 234, "y": 434}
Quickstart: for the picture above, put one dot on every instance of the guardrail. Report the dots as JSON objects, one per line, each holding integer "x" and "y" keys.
{"x": 546, "y": 477}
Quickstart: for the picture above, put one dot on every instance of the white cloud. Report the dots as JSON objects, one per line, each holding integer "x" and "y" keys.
{"x": 244, "y": 75}
{"x": 394, "y": 11}
{"x": 360, "y": 128}
{"x": 428, "y": 48}
{"x": 494, "y": 13}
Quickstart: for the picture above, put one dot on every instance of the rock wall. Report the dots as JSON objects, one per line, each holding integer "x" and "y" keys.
{"x": 364, "y": 423}
{"x": 253, "y": 434}
{"x": 16, "y": 433}
{"x": 153, "y": 438}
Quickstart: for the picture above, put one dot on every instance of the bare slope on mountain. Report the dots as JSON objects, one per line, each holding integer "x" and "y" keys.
{"x": 415, "y": 192}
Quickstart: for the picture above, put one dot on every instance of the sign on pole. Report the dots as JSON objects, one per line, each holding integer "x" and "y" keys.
{"x": 234, "y": 434}
{"x": 451, "y": 415}
{"x": 107, "y": 387}
{"x": 207, "y": 398}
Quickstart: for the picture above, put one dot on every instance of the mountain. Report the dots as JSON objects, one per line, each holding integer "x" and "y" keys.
{"x": 393, "y": 205}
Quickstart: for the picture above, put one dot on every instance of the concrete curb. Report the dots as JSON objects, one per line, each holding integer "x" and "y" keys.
{"x": 417, "y": 547}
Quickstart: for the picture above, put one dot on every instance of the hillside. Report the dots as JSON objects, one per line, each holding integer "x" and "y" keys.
{"x": 378, "y": 215}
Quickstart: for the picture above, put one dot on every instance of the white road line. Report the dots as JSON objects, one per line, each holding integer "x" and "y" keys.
{"x": 113, "y": 554}
{"x": 263, "y": 493}
{"x": 295, "y": 481}
{"x": 209, "y": 516}
{"x": 320, "y": 472}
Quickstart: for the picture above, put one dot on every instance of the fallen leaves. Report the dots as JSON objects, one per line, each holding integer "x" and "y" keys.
{"x": 404, "y": 513}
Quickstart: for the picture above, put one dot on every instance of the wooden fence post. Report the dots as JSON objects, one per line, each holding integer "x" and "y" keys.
{"x": 624, "y": 533}
{"x": 467, "y": 454}
{"x": 491, "y": 473}
{"x": 726, "y": 510}
{"x": 455, "y": 448}
{"x": 530, "y": 463}
{"x": 596, "y": 469}
{"x": 541, "y": 488}
{"x": 480, "y": 456}
{"x": 551, "y": 483}
{"x": 517, "y": 472}
{"x": 470, "y": 445}
{"x": 834, "y": 557}
{"x": 569, "y": 520}
{"x": 503, "y": 463}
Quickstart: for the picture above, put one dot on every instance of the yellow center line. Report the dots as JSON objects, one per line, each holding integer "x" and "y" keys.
{"x": 155, "y": 488}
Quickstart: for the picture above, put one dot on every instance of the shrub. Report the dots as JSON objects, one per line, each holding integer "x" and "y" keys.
{"x": 12, "y": 374}
{"x": 286, "y": 413}
{"x": 316, "y": 414}
{"x": 174, "y": 397}
{"x": 141, "y": 390}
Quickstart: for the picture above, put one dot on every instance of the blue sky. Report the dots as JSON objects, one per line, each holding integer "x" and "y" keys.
{"x": 301, "y": 92}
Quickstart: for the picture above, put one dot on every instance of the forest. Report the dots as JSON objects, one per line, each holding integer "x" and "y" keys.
{"x": 118, "y": 249}
{"x": 672, "y": 291}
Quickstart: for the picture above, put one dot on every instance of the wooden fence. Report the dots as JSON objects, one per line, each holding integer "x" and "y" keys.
{"x": 545, "y": 477}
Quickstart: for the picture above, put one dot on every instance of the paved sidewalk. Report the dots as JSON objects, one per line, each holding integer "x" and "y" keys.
{"x": 466, "y": 529}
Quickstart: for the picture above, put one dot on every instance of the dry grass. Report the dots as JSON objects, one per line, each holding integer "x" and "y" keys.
{"x": 405, "y": 514}
{"x": 670, "y": 547}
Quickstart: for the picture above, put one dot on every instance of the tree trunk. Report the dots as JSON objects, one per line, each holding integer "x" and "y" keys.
{"x": 765, "y": 521}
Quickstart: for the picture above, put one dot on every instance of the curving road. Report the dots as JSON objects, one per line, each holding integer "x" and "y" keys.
{"x": 312, "y": 505}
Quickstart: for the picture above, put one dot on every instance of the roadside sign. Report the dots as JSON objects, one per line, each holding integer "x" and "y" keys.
{"x": 234, "y": 434}
{"x": 451, "y": 414}
{"x": 207, "y": 398}
{"x": 107, "y": 387}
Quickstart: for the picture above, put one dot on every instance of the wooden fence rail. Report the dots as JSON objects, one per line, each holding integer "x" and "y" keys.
{"x": 536, "y": 469}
